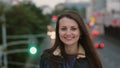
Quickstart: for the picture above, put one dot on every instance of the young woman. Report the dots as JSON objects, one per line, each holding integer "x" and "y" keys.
{"x": 73, "y": 47}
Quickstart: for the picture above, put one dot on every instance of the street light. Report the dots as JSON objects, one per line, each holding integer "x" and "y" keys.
{"x": 32, "y": 45}
{"x": 1, "y": 55}
{"x": 6, "y": 5}
{"x": 4, "y": 39}
{"x": 33, "y": 50}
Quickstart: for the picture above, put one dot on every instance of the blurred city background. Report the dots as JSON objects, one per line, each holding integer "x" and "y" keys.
{"x": 27, "y": 28}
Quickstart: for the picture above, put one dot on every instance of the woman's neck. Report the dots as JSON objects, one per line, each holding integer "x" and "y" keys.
{"x": 71, "y": 49}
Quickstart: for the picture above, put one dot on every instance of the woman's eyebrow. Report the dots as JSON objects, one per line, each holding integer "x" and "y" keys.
{"x": 74, "y": 26}
{"x": 62, "y": 26}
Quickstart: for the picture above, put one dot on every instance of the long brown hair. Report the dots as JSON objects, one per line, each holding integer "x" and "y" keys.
{"x": 84, "y": 40}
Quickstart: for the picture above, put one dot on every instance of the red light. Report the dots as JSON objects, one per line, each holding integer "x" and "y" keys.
{"x": 54, "y": 17}
{"x": 95, "y": 32}
{"x": 96, "y": 45}
{"x": 102, "y": 45}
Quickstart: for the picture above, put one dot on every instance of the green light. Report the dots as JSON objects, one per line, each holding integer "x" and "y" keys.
{"x": 33, "y": 50}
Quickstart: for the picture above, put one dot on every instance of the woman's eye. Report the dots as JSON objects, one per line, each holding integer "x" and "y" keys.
{"x": 73, "y": 28}
{"x": 63, "y": 28}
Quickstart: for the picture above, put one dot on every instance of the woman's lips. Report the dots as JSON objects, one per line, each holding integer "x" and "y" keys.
{"x": 68, "y": 38}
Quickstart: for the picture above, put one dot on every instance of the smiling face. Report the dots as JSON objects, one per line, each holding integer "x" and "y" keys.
{"x": 69, "y": 31}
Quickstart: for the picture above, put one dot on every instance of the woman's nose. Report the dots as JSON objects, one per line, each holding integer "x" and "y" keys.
{"x": 68, "y": 32}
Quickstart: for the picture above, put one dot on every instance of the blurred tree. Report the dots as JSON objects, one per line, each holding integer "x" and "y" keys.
{"x": 1, "y": 8}
{"x": 24, "y": 19}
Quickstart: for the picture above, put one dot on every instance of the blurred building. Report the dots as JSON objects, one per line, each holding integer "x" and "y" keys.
{"x": 6, "y": 1}
{"x": 109, "y": 8}
{"x": 14, "y": 2}
{"x": 77, "y": 3}
{"x": 60, "y": 6}
{"x": 113, "y": 13}
{"x": 113, "y": 7}
{"x": 96, "y": 6}
{"x": 46, "y": 9}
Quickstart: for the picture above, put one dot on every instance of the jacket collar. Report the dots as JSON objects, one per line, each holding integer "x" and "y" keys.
{"x": 80, "y": 54}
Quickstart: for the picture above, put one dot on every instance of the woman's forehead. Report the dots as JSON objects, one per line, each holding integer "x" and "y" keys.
{"x": 67, "y": 22}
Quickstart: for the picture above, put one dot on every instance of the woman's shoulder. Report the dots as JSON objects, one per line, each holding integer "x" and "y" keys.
{"x": 46, "y": 54}
{"x": 45, "y": 61}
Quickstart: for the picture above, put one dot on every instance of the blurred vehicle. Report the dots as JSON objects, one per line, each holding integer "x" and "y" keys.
{"x": 98, "y": 44}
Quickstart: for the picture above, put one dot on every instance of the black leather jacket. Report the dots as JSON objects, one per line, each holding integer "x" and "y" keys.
{"x": 54, "y": 60}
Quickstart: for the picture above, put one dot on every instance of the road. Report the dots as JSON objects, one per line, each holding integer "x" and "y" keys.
{"x": 110, "y": 54}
